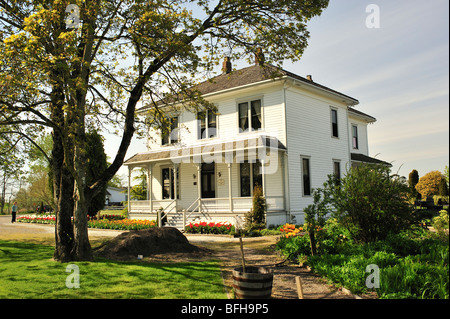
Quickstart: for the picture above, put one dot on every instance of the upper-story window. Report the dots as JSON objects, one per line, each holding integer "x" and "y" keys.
{"x": 250, "y": 116}
{"x": 355, "y": 137}
{"x": 170, "y": 135}
{"x": 334, "y": 123}
{"x": 206, "y": 124}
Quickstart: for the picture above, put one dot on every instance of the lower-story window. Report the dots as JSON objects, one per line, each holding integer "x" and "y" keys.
{"x": 168, "y": 184}
{"x": 250, "y": 176}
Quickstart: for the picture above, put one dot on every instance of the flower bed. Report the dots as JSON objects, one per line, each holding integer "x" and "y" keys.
{"x": 124, "y": 224}
{"x": 105, "y": 222}
{"x": 37, "y": 219}
{"x": 209, "y": 228}
{"x": 290, "y": 230}
{"x": 108, "y": 217}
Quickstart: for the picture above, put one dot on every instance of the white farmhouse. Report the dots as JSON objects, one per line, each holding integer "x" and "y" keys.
{"x": 284, "y": 132}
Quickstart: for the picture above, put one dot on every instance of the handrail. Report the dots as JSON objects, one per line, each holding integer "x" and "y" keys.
{"x": 190, "y": 206}
{"x": 165, "y": 213}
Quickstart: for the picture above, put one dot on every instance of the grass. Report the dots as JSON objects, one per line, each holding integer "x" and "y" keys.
{"x": 28, "y": 272}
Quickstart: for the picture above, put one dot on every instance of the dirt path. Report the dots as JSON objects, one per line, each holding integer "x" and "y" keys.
{"x": 259, "y": 251}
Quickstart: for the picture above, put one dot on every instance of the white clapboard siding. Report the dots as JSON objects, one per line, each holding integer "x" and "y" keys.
{"x": 309, "y": 134}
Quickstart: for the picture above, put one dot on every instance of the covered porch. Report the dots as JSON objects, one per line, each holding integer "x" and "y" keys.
{"x": 212, "y": 181}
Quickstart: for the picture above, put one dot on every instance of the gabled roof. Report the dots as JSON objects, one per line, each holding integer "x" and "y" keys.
{"x": 255, "y": 74}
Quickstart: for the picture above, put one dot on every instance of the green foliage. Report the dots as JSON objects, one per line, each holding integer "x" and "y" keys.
{"x": 370, "y": 202}
{"x": 294, "y": 247}
{"x": 409, "y": 268}
{"x": 330, "y": 239}
{"x": 440, "y": 223}
{"x": 315, "y": 216}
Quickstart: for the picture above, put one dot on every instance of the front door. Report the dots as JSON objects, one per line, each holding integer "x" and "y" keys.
{"x": 208, "y": 180}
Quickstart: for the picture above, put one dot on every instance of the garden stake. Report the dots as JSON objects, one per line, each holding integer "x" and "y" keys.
{"x": 242, "y": 254}
{"x": 299, "y": 287}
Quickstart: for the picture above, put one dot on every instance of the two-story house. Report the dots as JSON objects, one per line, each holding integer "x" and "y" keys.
{"x": 286, "y": 133}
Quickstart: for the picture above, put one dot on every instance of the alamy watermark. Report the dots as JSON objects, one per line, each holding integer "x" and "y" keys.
{"x": 373, "y": 19}
{"x": 73, "y": 19}
{"x": 373, "y": 280}
{"x": 73, "y": 280}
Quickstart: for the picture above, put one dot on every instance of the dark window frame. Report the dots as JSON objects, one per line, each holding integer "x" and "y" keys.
{"x": 171, "y": 137}
{"x": 250, "y": 115}
{"x": 355, "y": 138}
{"x": 334, "y": 123}
{"x": 306, "y": 175}
{"x": 248, "y": 182}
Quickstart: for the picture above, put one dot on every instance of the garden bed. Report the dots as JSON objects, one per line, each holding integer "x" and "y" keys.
{"x": 412, "y": 264}
{"x": 116, "y": 222}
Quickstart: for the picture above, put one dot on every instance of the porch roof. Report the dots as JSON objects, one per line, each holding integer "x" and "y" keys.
{"x": 179, "y": 152}
{"x": 356, "y": 157}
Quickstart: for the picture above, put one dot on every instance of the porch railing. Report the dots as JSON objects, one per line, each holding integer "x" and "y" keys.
{"x": 239, "y": 205}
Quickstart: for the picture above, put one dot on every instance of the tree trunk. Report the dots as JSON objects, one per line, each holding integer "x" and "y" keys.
{"x": 64, "y": 228}
{"x": 82, "y": 248}
{"x": 62, "y": 179}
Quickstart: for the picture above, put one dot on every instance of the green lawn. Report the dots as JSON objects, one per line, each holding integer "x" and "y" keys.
{"x": 27, "y": 271}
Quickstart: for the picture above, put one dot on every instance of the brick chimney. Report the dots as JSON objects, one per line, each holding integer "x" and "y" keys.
{"x": 226, "y": 66}
{"x": 259, "y": 57}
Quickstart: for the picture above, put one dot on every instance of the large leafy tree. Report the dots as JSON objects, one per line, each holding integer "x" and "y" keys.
{"x": 428, "y": 184}
{"x": 94, "y": 70}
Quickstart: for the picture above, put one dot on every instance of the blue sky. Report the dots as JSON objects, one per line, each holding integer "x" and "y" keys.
{"x": 399, "y": 72}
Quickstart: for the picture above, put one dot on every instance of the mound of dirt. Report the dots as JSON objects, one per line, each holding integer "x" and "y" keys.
{"x": 148, "y": 242}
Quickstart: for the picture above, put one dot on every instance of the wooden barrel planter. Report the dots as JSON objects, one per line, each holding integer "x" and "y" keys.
{"x": 255, "y": 283}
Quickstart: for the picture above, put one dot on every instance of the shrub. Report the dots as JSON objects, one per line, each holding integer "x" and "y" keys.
{"x": 255, "y": 219}
{"x": 294, "y": 247}
{"x": 412, "y": 182}
{"x": 441, "y": 223}
{"x": 370, "y": 202}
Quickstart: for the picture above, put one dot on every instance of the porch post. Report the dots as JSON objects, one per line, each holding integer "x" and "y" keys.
{"x": 199, "y": 186}
{"x": 175, "y": 191}
{"x": 230, "y": 196}
{"x": 129, "y": 190}
{"x": 149, "y": 187}
{"x": 263, "y": 175}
